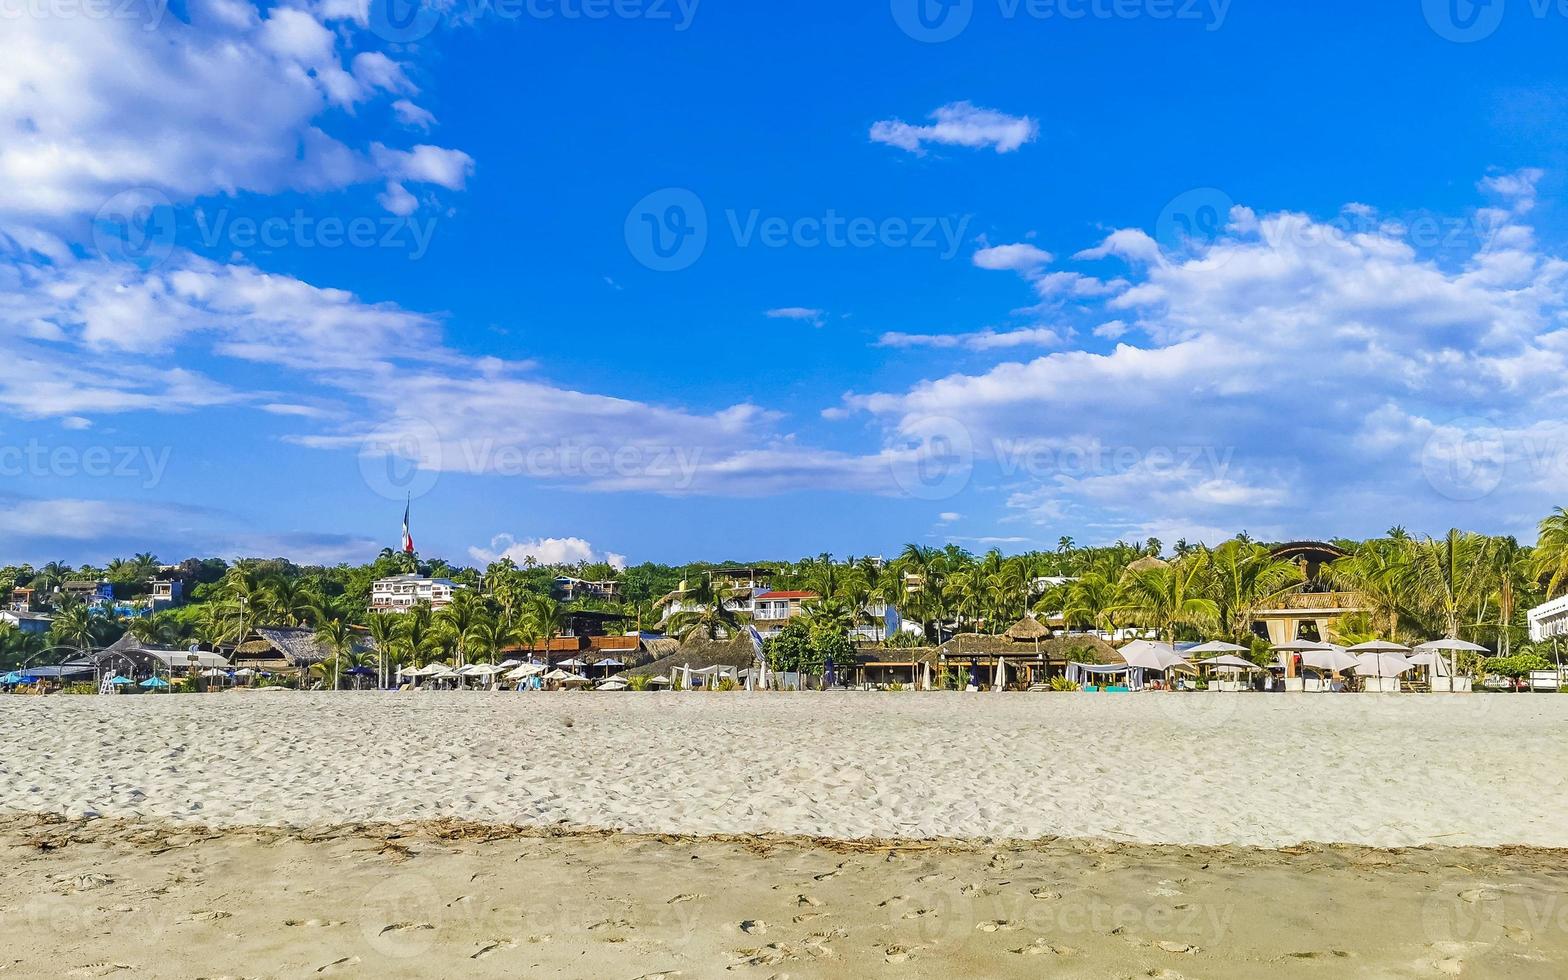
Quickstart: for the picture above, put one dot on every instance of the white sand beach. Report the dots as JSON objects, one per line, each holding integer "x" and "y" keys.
{"x": 1210, "y": 769}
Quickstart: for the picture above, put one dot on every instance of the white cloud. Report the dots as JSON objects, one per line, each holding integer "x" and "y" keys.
{"x": 959, "y": 124}
{"x": 806, "y": 314}
{"x": 412, "y": 115}
{"x": 544, "y": 551}
{"x": 1318, "y": 365}
{"x": 230, "y": 101}
{"x": 1020, "y": 258}
{"x": 980, "y": 340}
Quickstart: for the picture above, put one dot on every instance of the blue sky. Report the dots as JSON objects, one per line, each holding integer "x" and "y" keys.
{"x": 1159, "y": 269}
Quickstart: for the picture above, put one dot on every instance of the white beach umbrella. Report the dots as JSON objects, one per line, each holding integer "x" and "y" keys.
{"x": 1381, "y": 665}
{"x": 1218, "y": 646}
{"x": 660, "y": 681}
{"x": 525, "y": 670}
{"x": 1151, "y": 656}
{"x": 1380, "y": 646}
{"x": 1330, "y": 658}
{"x": 1228, "y": 662}
{"x": 509, "y": 664}
{"x": 1450, "y": 646}
{"x": 1300, "y": 646}
{"x": 613, "y": 684}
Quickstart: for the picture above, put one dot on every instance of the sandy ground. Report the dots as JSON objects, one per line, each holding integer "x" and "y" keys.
{"x": 775, "y": 836}
{"x": 1266, "y": 770}
{"x": 106, "y": 898}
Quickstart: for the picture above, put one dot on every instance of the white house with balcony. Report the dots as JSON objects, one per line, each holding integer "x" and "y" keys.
{"x": 400, "y": 593}
{"x": 1550, "y": 620}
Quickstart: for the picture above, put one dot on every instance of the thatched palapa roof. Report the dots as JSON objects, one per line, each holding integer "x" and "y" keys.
{"x": 1028, "y": 628}
{"x": 700, "y": 653}
{"x": 298, "y": 646}
{"x": 1057, "y": 649}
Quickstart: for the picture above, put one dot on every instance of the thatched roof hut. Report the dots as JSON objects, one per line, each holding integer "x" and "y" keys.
{"x": 1028, "y": 629}
{"x": 294, "y": 646}
{"x": 1083, "y": 648}
{"x": 699, "y": 653}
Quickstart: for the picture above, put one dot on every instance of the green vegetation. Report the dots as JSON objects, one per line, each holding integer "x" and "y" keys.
{"x": 1463, "y": 585}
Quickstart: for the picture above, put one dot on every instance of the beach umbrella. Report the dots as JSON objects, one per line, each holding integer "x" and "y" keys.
{"x": 1218, "y": 646}
{"x": 1151, "y": 656}
{"x": 973, "y": 679}
{"x": 154, "y": 682}
{"x": 1330, "y": 658}
{"x": 119, "y": 681}
{"x": 1001, "y": 674}
{"x": 1228, "y": 662}
{"x": 612, "y": 662}
{"x": 660, "y": 681}
{"x": 11, "y": 678}
{"x": 613, "y": 684}
{"x": 830, "y": 678}
{"x": 1379, "y": 646}
{"x": 1451, "y": 646}
{"x": 1377, "y": 664}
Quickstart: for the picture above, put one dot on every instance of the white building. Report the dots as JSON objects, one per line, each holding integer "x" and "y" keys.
{"x": 1549, "y": 620}
{"x": 400, "y": 593}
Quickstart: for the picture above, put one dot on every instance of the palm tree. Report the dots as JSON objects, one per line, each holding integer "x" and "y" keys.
{"x": 546, "y": 618}
{"x": 1379, "y": 572}
{"x": 418, "y": 631}
{"x": 290, "y": 602}
{"x": 1168, "y": 596}
{"x": 338, "y": 637}
{"x": 1244, "y": 578}
{"x": 79, "y": 626}
{"x": 713, "y": 616}
{"x": 156, "y": 630}
{"x": 458, "y": 617}
{"x": 1448, "y": 577}
{"x": 386, "y": 637}
{"x": 1550, "y": 561}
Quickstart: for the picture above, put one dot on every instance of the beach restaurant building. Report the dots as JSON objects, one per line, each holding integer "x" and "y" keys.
{"x": 1550, "y": 620}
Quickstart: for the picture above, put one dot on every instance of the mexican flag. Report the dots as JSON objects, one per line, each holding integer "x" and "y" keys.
{"x": 408, "y": 539}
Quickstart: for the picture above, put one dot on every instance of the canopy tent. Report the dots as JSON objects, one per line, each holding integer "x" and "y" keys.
{"x": 1085, "y": 674}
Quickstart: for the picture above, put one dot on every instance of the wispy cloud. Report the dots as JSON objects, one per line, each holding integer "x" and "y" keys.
{"x": 979, "y": 340}
{"x": 959, "y": 124}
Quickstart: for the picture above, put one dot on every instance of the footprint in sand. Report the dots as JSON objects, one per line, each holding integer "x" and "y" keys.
{"x": 312, "y": 923}
{"x": 344, "y": 965}
{"x": 207, "y": 915}
{"x": 91, "y": 880}
{"x": 917, "y": 913}
{"x": 1174, "y": 947}
{"x": 493, "y": 947}
{"x": 100, "y": 969}
{"x": 896, "y": 899}
{"x": 666, "y": 975}
{"x": 1043, "y": 947}
{"x": 770, "y": 955}
{"x": 1045, "y": 894}
{"x": 807, "y": 917}
{"x": 690, "y": 897}
{"x": 899, "y": 954}
{"x": 754, "y": 927}
{"x": 996, "y": 925}
{"x": 398, "y": 927}
{"x": 806, "y": 900}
